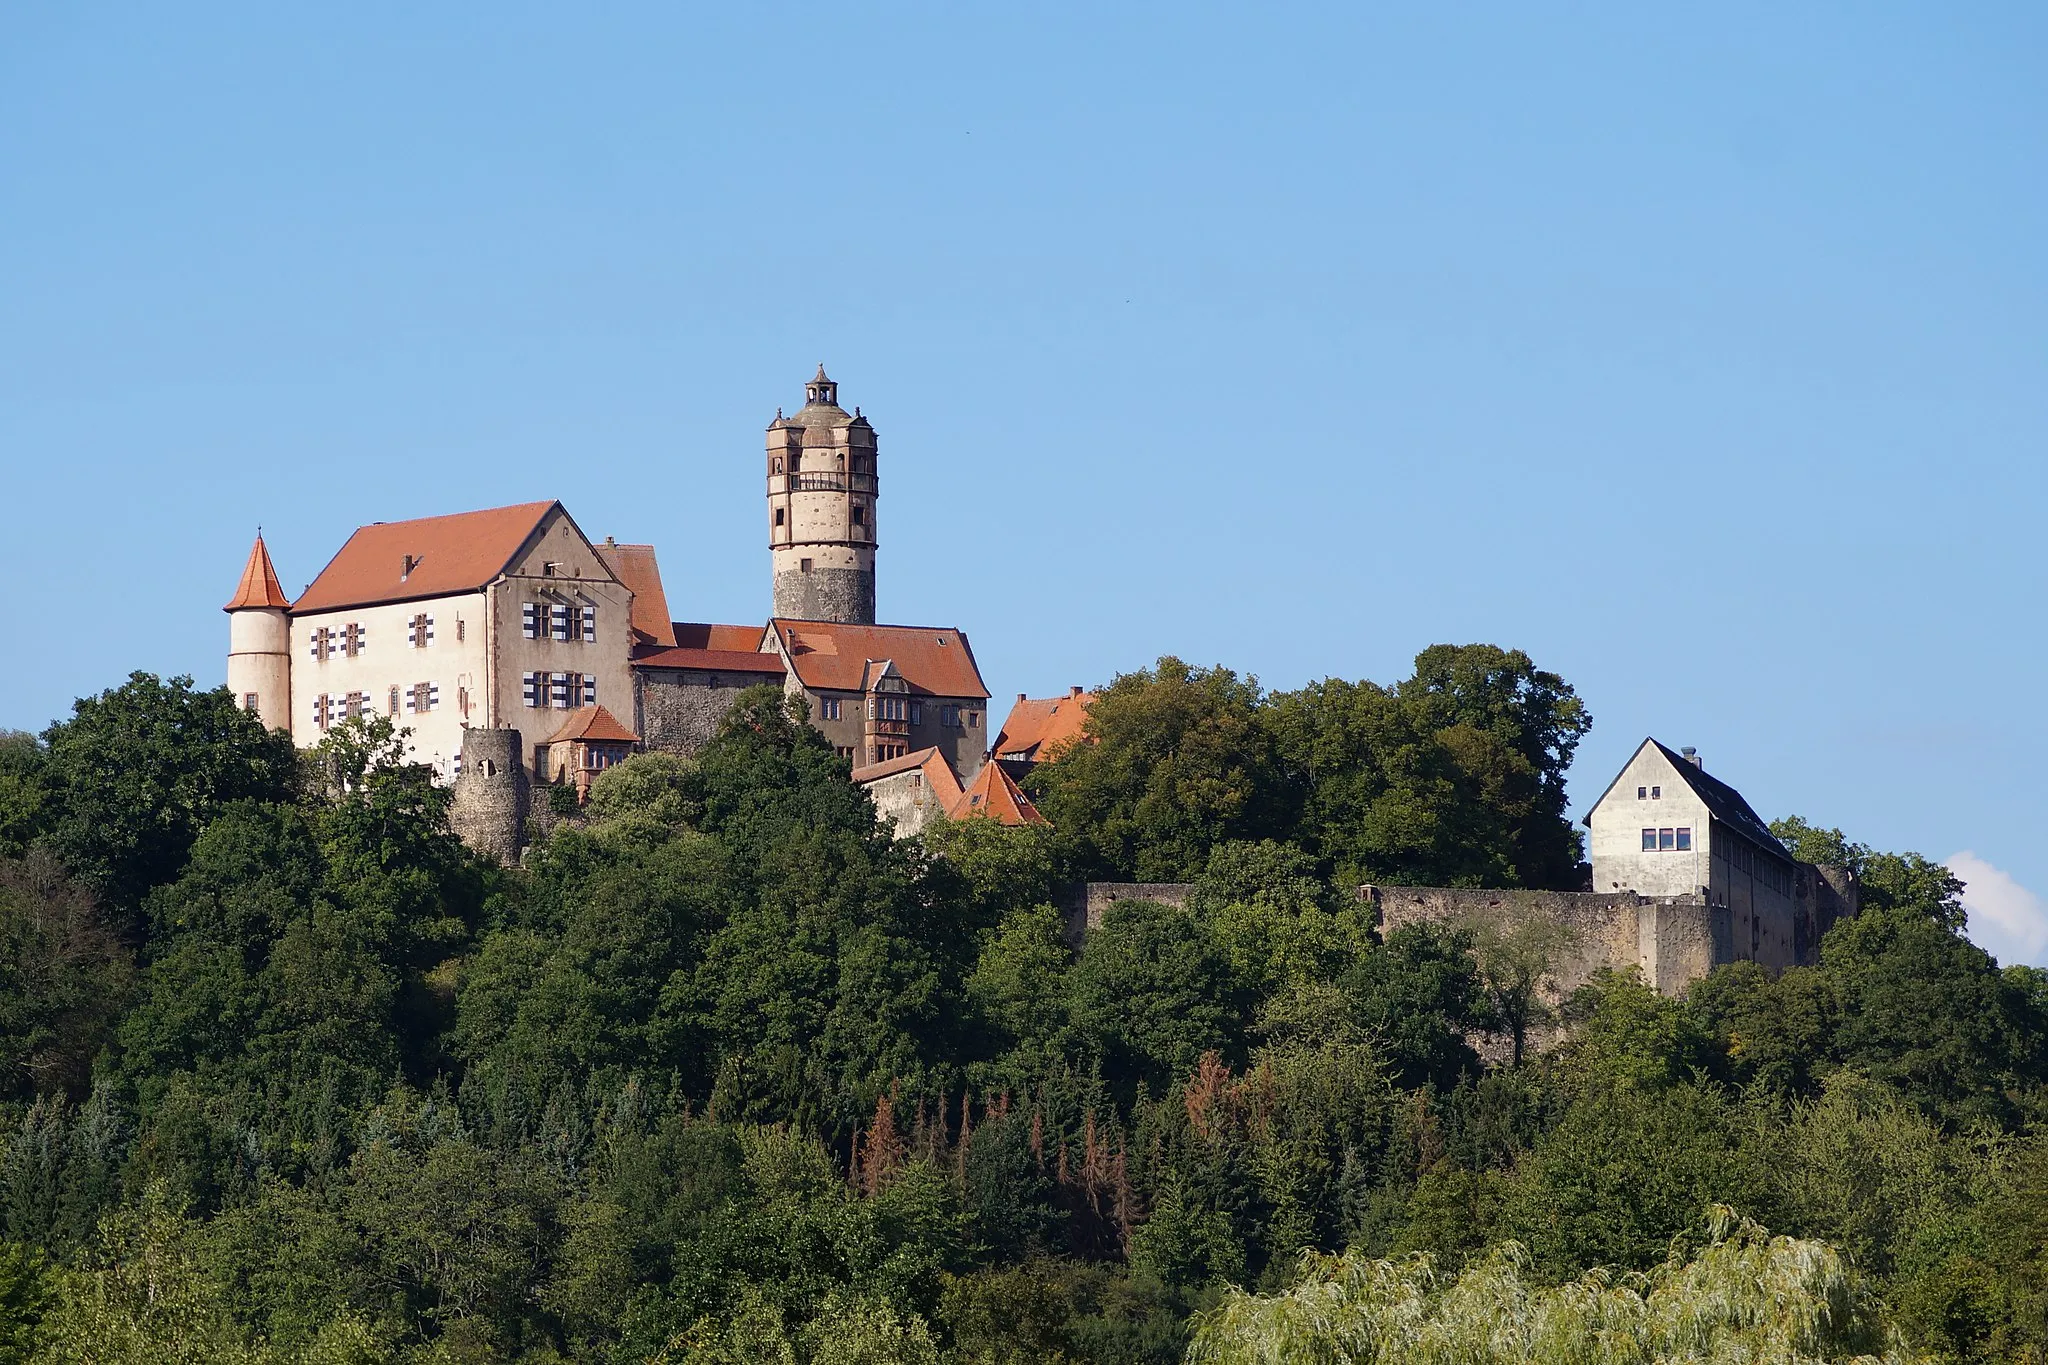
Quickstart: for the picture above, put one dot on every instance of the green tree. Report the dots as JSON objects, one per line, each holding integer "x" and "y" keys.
{"x": 1744, "y": 1296}
{"x": 27, "y": 804}
{"x": 140, "y": 769}
{"x": 65, "y": 977}
{"x": 1180, "y": 759}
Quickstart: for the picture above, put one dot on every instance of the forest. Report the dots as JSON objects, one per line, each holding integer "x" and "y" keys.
{"x": 723, "y": 1072}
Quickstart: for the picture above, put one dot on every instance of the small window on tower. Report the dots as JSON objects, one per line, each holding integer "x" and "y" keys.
{"x": 860, "y": 515}
{"x": 778, "y": 516}
{"x": 248, "y": 701}
{"x": 803, "y": 566}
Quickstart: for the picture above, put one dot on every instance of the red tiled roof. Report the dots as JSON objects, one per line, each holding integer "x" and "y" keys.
{"x": 993, "y": 794}
{"x": 938, "y": 774}
{"x": 830, "y": 655}
{"x": 458, "y": 553}
{"x": 716, "y": 660}
{"x": 703, "y": 635}
{"x": 259, "y": 586}
{"x": 635, "y": 566}
{"x": 592, "y": 724}
{"x": 1035, "y": 729}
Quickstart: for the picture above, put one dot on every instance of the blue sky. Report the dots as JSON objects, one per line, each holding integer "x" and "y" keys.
{"x": 1700, "y": 355}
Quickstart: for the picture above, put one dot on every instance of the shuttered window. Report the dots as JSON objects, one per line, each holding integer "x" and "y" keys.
{"x": 560, "y": 690}
{"x": 320, "y": 710}
{"x": 530, "y": 682}
{"x": 590, "y": 625}
{"x": 590, "y": 689}
{"x": 529, "y": 619}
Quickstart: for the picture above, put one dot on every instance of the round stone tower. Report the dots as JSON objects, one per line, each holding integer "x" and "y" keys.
{"x": 260, "y": 642}
{"x": 821, "y": 509}
{"x": 488, "y": 808}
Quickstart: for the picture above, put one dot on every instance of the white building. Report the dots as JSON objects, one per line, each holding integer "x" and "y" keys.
{"x": 501, "y": 618}
{"x": 1667, "y": 828}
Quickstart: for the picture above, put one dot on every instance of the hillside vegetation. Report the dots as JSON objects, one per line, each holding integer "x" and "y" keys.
{"x": 723, "y": 1073}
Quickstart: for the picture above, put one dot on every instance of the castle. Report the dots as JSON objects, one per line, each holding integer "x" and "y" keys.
{"x": 517, "y": 651}
{"x": 512, "y": 625}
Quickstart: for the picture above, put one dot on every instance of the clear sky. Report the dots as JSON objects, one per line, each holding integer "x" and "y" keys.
{"x": 1699, "y": 354}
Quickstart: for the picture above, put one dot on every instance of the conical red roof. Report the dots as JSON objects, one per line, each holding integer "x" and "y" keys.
{"x": 259, "y": 586}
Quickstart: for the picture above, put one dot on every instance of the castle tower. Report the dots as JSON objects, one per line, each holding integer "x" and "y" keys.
{"x": 492, "y": 794}
{"x": 821, "y": 509}
{"x": 260, "y": 642}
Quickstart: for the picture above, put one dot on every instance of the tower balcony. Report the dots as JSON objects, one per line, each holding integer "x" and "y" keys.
{"x": 833, "y": 482}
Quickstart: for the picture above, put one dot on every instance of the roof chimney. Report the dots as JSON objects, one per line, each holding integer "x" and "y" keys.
{"x": 1692, "y": 756}
{"x": 1073, "y": 691}
{"x": 1021, "y": 697}
{"x": 406, "y": 572}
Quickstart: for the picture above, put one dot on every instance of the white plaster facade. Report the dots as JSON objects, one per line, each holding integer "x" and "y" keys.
{"x": 1665, "y": 828}
{"x": 391, "y": 670}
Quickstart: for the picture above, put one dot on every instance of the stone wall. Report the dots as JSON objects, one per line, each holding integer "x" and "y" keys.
{"x": 678, "y": 710}
{"x": 1084, "y": 902}
{"x": 826, "y": 594}
{"x": 488, "y": 807}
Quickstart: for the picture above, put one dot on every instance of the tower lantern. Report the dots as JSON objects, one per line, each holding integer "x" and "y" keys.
{"x": 822, "y": 489}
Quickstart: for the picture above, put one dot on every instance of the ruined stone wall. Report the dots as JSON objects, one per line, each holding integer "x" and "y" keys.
{"x": 1084, "y": 902}
{"x": 678, "y": 710}
{"x": 488, "y": 807}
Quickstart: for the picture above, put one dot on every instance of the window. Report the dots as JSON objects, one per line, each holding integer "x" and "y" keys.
{"x": 1665, "y": 838}
{"x": 916, "y": 714}
{"x": 529, "y": 619}
{"x": 949, "y": 716}
{"x": 1649, "y": 841}
{"x": 843, "y": 750}
{"x": 320, "y": 711}
{"x": 419, "y": 632}
{"x": 1656, "y": 793}
{"x": 778, "y": 516}
{"x": 352, "y": 638}
{"x": 461, "y": 634}
{"x": 803, "y": 566}
{"x": 1685, "y": 839}
{"x": 589, "y": 689}
{"x": 423, "y": 697}
{"x": 889, "y": 708}
{"x": 1642, "y": 792}
{"x": 392, "y": 703}
{"x": 531, "y": 685}
{"x": 589, "y": 625}
{"x": 558, "y": 621}
{"x": 551, "y": 569}
{"x": 559, "y": 690}
{"x": 829, "y": 708}
{"x": 462, "y": 701}
{"x": 860, "y": 515}
{"x": 248, "y": 701}
{"x": 357, "y": 704}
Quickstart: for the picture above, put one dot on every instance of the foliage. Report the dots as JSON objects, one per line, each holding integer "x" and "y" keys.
{"x": 1744, "y": 1296}
{"x": 722, "y": 1072}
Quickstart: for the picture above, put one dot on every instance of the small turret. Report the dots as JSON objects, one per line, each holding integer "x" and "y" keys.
{"x": 260, "y": 642}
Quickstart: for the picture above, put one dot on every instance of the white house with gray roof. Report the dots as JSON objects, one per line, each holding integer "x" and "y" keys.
{"x": 1667, "y": 828}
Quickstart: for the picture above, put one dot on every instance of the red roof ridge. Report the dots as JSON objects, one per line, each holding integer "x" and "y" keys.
{"x": 450, "y": 553}
{"x": 259, "y": 586}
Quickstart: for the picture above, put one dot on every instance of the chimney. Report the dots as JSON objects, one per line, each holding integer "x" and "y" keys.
{"x": 1020, "y": 696}
{"x": 1073, "y": 691}
{"x": 406, "y": 572}
{"x": 1692, "y": 756}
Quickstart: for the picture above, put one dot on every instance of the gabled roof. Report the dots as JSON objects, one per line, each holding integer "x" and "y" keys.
{"x": 458, "y": 553}
{"x": 938, "y": 774}
{"x": 993, "y": 794}
{"x": 719, "y": 649}
{"x": 259, "y": 586}
{"x": 592, "y": 724}
{"x": 1036, "y": 728}
{"x": 830, "y": 655}
{"x": 1722, "y": 801}
{"x": 636, "y": 567}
